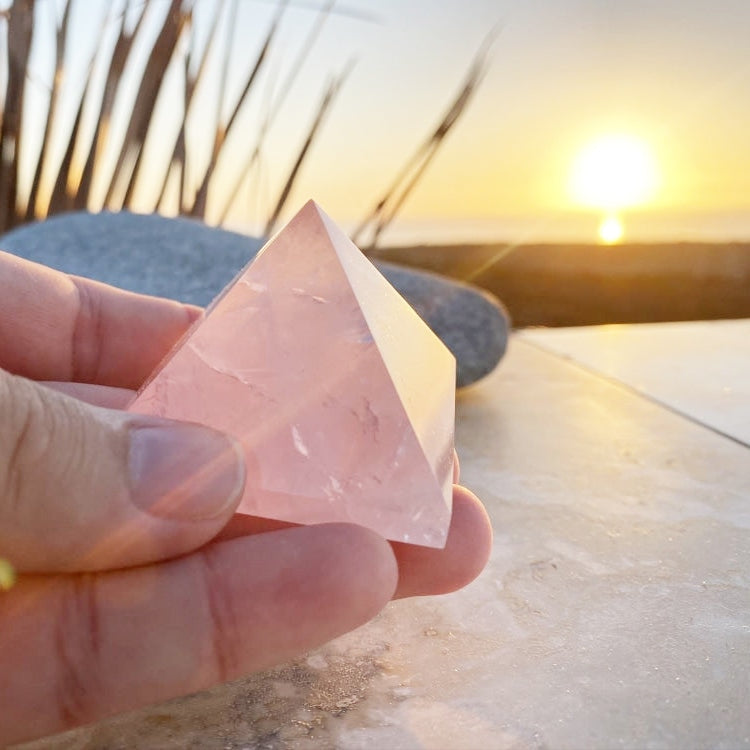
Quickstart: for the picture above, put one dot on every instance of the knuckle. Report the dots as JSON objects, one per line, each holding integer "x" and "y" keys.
{"x": 224, "y": 635}
{"x": 31, "y": 424}
{"x": 79, "y": 674}
{"x": 22, "y": 441}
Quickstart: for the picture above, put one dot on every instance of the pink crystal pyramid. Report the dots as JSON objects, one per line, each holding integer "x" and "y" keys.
{"x": 341, "y": 396}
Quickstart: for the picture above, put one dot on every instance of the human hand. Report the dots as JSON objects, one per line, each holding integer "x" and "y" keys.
{"x": 135, "y": 583}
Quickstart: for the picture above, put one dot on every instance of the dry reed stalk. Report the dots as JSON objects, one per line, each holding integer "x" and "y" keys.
{"x": 117, "y": 62}
{"x": 179, "y": 156}
{"x": 386, "y": 209}
{"x": 333, "y": 88}
{"x": 177, "y": 160}
{"x": 19, "y": 26}
{"x": 62, "y": 198}
{"x": 3, "y": 56}
{"x": 18, "y": 19}
{"x": 276, "y": 105}
{"x": 65, "y": 187}
{"x": 162, "y": 54}
{"x": 142, "y": 109}
{"x": 201, "y": 198}
{"x": 61, "y": 41}
{"x": 191, "y": 82}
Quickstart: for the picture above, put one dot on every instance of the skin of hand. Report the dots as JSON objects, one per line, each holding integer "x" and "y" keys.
{"x": 135, "y": 582}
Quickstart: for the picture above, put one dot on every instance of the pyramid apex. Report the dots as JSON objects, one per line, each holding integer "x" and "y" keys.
{"x": 310, "y": 206}
{"x": 310, "y": 214}
{"x": 341, "y": 398}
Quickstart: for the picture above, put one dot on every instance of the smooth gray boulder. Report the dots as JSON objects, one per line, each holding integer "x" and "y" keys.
{"x": 186, "y": 260}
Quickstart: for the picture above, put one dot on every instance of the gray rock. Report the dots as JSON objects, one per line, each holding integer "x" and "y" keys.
{"x": 186, "y": 260}
{"x": 471, "y": 322}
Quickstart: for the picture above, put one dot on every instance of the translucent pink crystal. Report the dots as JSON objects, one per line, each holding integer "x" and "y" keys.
{"x": 341, "y": 396}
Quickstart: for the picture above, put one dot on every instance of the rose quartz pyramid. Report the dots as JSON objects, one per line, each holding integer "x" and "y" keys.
{"x": 342, "y": 398}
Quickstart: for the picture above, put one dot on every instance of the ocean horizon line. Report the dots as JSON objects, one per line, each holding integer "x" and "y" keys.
{"x": 646, "y": 228}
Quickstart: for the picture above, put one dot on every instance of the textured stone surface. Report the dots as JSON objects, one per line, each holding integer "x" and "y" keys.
{"x": 342, "y": 398}
{"x": 189, "y": 261}
{"x": 614, "y": 612}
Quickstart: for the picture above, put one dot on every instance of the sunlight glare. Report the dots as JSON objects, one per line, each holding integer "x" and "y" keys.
{"x": 610, "y": 230}
{"x": 614, "y": 172}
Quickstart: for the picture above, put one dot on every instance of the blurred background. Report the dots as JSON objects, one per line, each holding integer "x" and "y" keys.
{"x": 586, "y": 161}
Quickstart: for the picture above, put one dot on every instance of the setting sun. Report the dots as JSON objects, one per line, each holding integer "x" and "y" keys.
{"x": 614, "y": 172}
{"x": 610, "y": 230}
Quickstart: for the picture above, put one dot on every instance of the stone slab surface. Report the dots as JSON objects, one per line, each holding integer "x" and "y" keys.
{"x": 615, "y": 612}
{"x": 699, "y": 368}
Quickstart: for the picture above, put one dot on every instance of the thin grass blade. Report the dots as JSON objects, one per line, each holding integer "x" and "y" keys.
{"x": 191, "y": 82}
{"x": 62, "y": 197}
{"x": 66, "y": 188}
{"x": 148, "y": 89}
{"x": 305, "y": 50}
{"x": 61, "y": 41}
{"x": 162, "y": 54}
{"x": 387, "y": 208}
{"x": 325, "y": 104}
{"x": 20, "y": 25}
{"x": 117, "y": 63}
{"x": 201, "y": 198}
{"x": 177, "y": 160}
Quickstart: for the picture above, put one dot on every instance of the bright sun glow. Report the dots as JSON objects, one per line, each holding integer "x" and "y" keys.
{"x": 614, "y": 172}
{"x": 610, "y": 230}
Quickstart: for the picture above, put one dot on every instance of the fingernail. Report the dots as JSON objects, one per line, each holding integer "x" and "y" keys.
{"x": 184, "y": 472}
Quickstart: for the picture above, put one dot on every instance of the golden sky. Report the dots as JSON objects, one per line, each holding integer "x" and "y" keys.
{"x": 673, "y": 75}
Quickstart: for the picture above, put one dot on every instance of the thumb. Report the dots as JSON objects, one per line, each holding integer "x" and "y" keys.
{"x": 86, "y": 488}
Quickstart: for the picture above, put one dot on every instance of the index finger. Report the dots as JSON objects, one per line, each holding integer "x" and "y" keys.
{"x": 59, "y": 327}
{"x": 77, "y": 648}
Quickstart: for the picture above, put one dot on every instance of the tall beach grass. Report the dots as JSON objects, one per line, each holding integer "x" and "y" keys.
{"x": 81, "y": 162}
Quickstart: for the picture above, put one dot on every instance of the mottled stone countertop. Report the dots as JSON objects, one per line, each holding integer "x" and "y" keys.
{"x": 615, "y": 612}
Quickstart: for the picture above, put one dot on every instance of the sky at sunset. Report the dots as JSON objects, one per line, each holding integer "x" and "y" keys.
{"x": 675, "y": 73}
{"x": 672, "y": 75}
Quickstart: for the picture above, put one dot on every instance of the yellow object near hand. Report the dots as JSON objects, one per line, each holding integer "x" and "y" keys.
{"x": 7, "y": 575}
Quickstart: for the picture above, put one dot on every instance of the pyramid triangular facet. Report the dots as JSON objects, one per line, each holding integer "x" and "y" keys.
{"x": 407, "y": 347}
{"x": 340, "y": 395}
